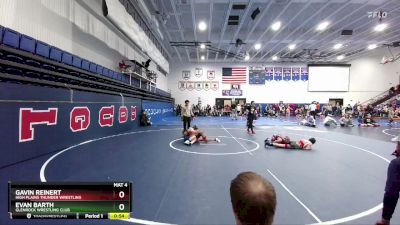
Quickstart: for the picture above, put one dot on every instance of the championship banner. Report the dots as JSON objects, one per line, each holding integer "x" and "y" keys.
{"x": 287, "y": 73}
{"x": 295, "y": 73}
{"x": 186, "y": 74}
{"x": 214, "y": 85}
{"x": 256, "y": 75}
{"x": 207, "y": 86}
{"x": 232, "y": 92}
{"x": 190, "y": 85}
{"x": 211, "y": 74}
{"x": 304, "y": 74}
{"x": 198, "y": 72}
{"x": 269, "y": 73}
{"x": 182, "y": 85}
{"x": 277, "y": 73}
{"x": 199, "y": 85}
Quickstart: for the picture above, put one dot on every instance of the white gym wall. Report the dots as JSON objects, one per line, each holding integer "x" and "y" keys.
{"x": 368, "y": 78}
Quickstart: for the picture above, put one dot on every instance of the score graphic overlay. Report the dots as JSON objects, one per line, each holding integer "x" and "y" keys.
{"x": 67, "y": 200}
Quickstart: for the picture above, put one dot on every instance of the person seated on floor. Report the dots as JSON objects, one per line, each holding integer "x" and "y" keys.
{"x": 194, "y": 134}
{"x": 302, "y": 144}
{"x": 308, "y": 122}
{"x": 144, "y": 119}
{"x": 346, "y": 121}
{"x": 328, "y": 121}
{"x": 368, "y": 122}
{"x": 253, "y": 199}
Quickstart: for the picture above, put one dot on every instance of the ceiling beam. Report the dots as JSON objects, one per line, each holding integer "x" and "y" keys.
{"x": 210, "y": 24}
{"x": 224, "y": 26}
{"x": 266, "y": 30}
{"x": 323, "y": 40}
{"x": 194, "y": 26}
{"x": 304, "y": 23}
{"x": 166, "y": 31}
{"x": 286, "y": 25}
{"x": 264, "y": 11}
{"x": 178, "y": 22}
{"x": 269, "y": 27}
{"x": 249, "y": 4}
{"x": 366, "y": 33}
{"x": 386, "y": 38}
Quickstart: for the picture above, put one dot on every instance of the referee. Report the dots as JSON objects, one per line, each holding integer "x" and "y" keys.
{"x": 392, "y": 188}
{"x": 187, "y": 114}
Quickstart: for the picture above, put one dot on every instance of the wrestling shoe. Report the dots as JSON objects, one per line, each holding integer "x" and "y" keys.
{"x": 253, "y": 132}
{"x": 267, "y": 142}
{"x": 396, "y": 153}
{"x": 217, "y": 140}
{"x": 187, "y": 142}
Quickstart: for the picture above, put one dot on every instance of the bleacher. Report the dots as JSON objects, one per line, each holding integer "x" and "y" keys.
{"x": 26, "y": 60}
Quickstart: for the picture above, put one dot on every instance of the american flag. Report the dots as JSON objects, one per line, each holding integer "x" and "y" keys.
{"x": 234, "y": 75}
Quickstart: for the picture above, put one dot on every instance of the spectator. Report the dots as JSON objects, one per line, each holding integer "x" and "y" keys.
{"x": 253, "y": 199}
{"x": 144, "y": 119}
{"x": 348, "y": 108}
{"x": 313, "y": 108}
{"x": 391, "y": 91}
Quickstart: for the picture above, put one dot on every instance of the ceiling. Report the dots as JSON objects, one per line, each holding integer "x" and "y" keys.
{"x": 179, "y": 19}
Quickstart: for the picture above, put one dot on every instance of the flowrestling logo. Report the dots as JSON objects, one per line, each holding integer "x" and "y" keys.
{"x": 79, "y": 119}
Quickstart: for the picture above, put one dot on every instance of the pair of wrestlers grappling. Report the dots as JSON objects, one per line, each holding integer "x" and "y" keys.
{"x": 194, "y": 134}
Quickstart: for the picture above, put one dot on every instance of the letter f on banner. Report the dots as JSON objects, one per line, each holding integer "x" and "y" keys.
{"x": 29, "y": 117}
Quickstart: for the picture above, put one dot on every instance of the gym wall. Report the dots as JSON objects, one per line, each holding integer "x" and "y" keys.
{"x": 39, "y": 120}
{"x": 368, "y": 78}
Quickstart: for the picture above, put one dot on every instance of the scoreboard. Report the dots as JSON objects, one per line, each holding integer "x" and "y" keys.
{"x": 68, "y": 200}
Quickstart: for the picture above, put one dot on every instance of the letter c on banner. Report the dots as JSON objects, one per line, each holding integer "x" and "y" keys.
{"x": 123, "y": 114}
{"x": 106, "y": 116}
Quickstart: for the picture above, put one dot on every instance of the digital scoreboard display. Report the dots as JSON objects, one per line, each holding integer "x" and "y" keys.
{"x": 67, "y": 200}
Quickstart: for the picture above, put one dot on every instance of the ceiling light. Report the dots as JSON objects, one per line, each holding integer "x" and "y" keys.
{"x": 340, "y": 57}
{"x": 337, "y": 46}
{"x": 322, "y": 26}
{"x": 275, "y": 26}
{"x": 372, "y": 46}
{"x": 202, "y": 26}
{"x": 202, "y": 57}
{"x": 274, "y": 57}
{"x": 257, "y": 46}
{"x": 247, "y": 57}
{"x": 202, "y": 46}
{"x": 380, "y": 27}
{"x": 292, "y": 46}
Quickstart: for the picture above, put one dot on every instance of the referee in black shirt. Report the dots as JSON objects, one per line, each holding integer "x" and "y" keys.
{"x": 392, "y": 188}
